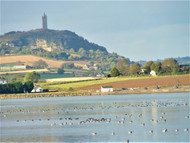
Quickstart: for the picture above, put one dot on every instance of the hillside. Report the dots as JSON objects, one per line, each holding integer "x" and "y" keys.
{"x": 56, "y": 44}
{"x": 52, "y": 39}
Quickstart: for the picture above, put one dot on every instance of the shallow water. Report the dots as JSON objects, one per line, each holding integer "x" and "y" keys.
{"x": 39, "y": 119}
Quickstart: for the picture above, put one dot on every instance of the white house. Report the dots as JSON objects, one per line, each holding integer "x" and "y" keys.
{"x": 100, "y": 75}
{"x": 153, "y": 73}
{"x": 142, "y": 70}
{"x": 106, "y": 89}
{"x": 2, "y": 81}
{"x": 37, "y": 89}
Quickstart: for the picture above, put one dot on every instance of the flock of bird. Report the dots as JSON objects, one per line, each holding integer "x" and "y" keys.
{"x": 125, "y": 119}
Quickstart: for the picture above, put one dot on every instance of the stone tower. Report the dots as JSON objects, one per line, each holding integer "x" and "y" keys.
{"x": 44, "y": 21}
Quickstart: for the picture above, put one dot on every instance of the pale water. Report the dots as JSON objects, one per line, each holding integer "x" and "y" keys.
{"x": 74, "y": 119}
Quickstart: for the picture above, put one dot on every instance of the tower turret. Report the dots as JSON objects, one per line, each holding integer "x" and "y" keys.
{"x": 44, "y": 21}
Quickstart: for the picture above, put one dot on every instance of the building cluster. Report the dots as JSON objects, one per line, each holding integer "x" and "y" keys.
{"x": 13, "y": 67}
{"x": 89, "y": 67}
{"x": 3, "y": 81}
{"x": 41, "y": 43}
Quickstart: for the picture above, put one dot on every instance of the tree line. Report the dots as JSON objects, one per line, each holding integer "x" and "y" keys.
{"x": 19, "y": 86}
{"x": 168, "y": 66}
{"x": 16, "y": 87}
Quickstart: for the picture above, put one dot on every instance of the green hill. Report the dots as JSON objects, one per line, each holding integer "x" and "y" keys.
{"x": 64, "y": 40}
{"x": 56, "y": 44}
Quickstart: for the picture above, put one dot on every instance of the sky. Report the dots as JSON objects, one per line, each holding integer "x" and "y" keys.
{"x": 138, "y": 30}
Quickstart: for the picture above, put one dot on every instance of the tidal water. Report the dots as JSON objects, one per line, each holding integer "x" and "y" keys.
{"x": 113, "y": 118}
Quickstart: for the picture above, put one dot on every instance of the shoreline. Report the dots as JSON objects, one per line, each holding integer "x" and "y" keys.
{"x": 93, "y": 93}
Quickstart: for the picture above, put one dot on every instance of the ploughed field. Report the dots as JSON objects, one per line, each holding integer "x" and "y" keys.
{"x": 141, "y": 83}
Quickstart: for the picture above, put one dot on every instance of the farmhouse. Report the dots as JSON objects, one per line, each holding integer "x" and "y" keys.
{"x": 37, "y": 89}
{"x": 2, "y": 81}
{"x": 106, "y": 89}
{"x": 153, "y": 73}
{"x": 100, "y": 75}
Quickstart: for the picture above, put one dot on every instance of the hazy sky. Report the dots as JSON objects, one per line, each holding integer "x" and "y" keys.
{"x": 138, "y": 30}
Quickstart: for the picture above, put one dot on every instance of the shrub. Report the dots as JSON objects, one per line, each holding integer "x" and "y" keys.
{"x": 70, "y": 89}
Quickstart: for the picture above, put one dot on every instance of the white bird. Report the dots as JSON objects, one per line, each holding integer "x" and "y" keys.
{"x": 151, "y": 131}
{"x": 186, "y": 129}
{"x": 53, "y": 124}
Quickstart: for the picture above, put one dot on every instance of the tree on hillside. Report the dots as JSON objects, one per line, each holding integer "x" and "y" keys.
{"x": 92, "y": 63}
{"x": 10, "y": 87}
{"x": 60, "y": 71}
{"x": 40, "y": 64}
{"x": 28, "y": 86}
{"x": 156, "y": 67}
{"x": 17, "y": 77}
{"x": 114, "y": 72}
{"x": 185, "y": 70}
{"x": 72, "y": 50}
{"x": 149, "y": 63}
{"x": 68, "y": 66}
{"x": 135, "y": 69}
{"x": 123, "y": 67}
{"x": 147, "y": 67}
{"x": 170, "y": 66}
{"x": 19, "y": 87}
{"x": 32, "y": 76}
{"x": 14, "y": 87}
{"x": 82, "y": 52}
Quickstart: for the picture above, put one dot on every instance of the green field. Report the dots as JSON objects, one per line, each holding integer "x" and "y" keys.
{"x": 64, "y": 86}
{"x": 8, "y": 64}
{"x": 54, "y": 75}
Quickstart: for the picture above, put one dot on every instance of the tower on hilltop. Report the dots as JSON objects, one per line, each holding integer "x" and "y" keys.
{"x": 44, "y": 21}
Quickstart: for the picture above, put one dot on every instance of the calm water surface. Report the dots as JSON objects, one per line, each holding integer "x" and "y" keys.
{"x": 74, "y": 119}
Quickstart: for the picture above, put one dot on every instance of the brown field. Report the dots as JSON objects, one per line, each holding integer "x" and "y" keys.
{"x": 141, "y": 83}
{"x": 30, "y": 59}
